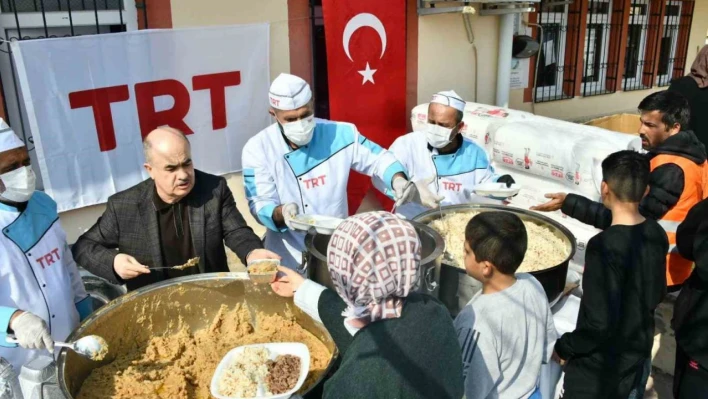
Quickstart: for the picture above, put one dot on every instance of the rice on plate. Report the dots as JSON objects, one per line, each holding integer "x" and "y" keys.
{"x": 243, "y": 375}
{"x": 545, "y": 249}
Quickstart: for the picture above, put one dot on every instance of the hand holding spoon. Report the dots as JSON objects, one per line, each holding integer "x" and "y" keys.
{"x": 91, "y": 346}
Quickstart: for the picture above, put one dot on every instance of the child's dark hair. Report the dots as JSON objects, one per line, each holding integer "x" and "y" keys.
{"x": 627, "y": 174}
{"x": 499, "y": 238}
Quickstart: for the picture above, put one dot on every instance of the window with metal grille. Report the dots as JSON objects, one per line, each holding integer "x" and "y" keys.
{"x": 593, "y": 47}
{"x": 9, "y": 6}
{"x": 642, "y": 33}
{"x": 677, "y": 19}
{"x": 39, "y": 19}
{"x": 601, "y": 49}
{"x": 555, "y": 77}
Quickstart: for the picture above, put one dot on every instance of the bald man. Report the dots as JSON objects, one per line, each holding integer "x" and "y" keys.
{"x": 178, "y": 214}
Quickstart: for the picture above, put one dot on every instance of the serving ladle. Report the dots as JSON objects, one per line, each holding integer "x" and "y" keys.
{"x": 91, "y": 346}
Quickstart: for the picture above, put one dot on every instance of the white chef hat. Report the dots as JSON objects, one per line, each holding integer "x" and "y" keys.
{"x": 449, "y": 98}
{"x": 289, "y": 92}
{"x": 8, "y": 138}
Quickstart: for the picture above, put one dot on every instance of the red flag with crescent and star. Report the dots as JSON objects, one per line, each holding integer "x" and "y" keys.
{"x": 366, "y": 73}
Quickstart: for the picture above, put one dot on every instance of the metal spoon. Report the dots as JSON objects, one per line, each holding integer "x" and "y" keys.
{"x": 90, "y": 346}
{"x": 190, "y": 263}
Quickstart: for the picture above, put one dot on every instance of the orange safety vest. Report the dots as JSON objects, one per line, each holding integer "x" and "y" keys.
{"x": 679, "y": 268}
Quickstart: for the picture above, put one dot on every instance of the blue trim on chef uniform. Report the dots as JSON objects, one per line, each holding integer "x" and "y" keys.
{"x": 5, "y": 316}
{"x": 327, "y": 140}
{"x": 265, "y": 215}
{"x": 249, "y": 180}
{"x": 33, "y": 222}
{"x": 26, "y": 231}
{"x": 471, "y": 158}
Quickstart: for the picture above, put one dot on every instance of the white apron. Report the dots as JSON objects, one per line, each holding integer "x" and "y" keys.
{"x": 455, "y": 174}
{"x": 314, "y": 177}
{"x": 37, "y": 274}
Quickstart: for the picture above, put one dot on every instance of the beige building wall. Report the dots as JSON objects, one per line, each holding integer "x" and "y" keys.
{"x": 446, "y": 61}
{"x": 446, "y": 57}
{"x": 192, "y": 13}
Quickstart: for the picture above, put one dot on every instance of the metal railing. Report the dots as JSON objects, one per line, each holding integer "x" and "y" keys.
{"x": 556, "y": 73}
{"x": 31, "y": 22}
{"x": 602, "y": 47}
{"x": 8, "y": 6}
{"x": 642, "y": 37}
{"x": 678, "y": 17}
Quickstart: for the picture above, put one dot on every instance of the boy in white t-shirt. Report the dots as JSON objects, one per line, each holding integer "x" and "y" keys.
{"x": 506, "y": 331}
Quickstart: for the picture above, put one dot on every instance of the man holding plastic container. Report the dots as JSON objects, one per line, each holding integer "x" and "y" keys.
{"x": 42, "y": 297}
{"x": 450, "y": 164}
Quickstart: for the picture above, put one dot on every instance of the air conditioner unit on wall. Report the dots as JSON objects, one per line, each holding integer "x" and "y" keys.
{"x": 482, "y": 1}
{"x": 483, "y": 7}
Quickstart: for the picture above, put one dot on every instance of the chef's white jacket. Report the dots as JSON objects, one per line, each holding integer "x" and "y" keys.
{"x": 314, "y": 177}
{"x": 455, "y": 174}
{"x": 37, "y": 274}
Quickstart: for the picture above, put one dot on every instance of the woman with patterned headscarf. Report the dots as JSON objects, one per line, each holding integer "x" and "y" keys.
{"x": 694, "y": 87}
{"x": 394, "y": 342}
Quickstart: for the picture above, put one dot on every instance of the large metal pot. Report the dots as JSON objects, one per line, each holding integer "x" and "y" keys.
{"x": 118, "y": 323}
{"x": 99, "y": 289}
{"x": 315, "y": 259}
{"x": 552, "y": 279}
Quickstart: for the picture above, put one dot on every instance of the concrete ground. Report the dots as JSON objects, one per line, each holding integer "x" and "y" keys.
{"x": 659, "y": 385}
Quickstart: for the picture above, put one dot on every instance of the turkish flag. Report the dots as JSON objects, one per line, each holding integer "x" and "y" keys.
{"x": 366, "y": 68}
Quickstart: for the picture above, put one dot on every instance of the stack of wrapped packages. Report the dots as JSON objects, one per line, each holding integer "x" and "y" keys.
{"x": 543, "y": 155}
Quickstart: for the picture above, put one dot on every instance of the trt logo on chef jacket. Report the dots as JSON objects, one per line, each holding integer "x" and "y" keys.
{"x": 314, "y": 177}
{"x": 49, "y": 258}
{"x": 455, "y": 173}
{"x": 451, "y": 186}
{"x": 314, "y": 182}
{"x": 39, "y": 273}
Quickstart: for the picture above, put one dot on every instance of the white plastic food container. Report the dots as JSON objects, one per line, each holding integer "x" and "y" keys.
{"x": 496, "y": 190}
{"x": 322, "y": 224}
{"x": 262, "y": 278}
{"x": 275, "y": 350}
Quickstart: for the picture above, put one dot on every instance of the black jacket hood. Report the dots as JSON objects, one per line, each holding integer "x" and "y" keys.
{"x": 684, "y": 144}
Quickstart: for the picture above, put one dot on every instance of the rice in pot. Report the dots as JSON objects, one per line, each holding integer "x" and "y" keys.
{"x": 545, "y": 249}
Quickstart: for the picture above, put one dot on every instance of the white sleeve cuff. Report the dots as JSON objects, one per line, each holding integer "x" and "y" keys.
{"x": 307, "y": 297}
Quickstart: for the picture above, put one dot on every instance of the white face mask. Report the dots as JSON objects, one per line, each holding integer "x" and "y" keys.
{"x": 299, "y": 132}
{"x": 19, "y": 184}
{"x": 438, "y": 136}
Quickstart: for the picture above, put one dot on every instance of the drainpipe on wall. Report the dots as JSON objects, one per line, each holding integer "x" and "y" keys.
{"x": 506, "y": 41}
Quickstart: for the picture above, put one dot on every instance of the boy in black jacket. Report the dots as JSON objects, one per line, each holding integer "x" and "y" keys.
{"x": 678, "y": 163}
{"x": 609, "y": 354}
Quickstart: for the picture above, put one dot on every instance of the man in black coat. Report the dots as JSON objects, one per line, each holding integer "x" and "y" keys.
{"x": 691, "y": 309}
{"x": 179, "y": 214}
{"x": 678, "y": 161}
